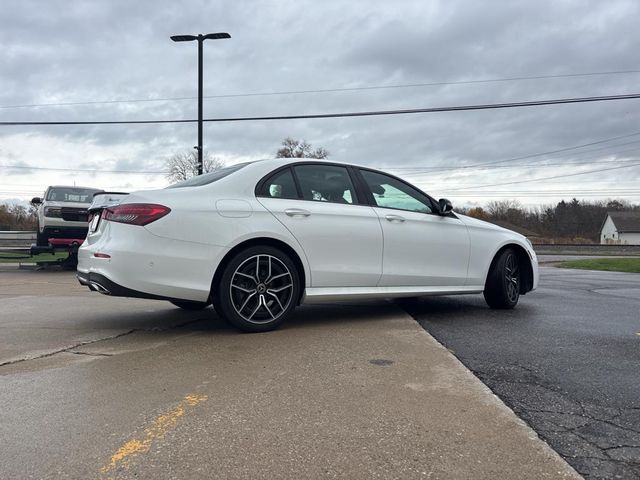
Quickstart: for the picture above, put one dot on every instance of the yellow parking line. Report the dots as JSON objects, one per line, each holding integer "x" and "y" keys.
{"x": 158, "y": 429}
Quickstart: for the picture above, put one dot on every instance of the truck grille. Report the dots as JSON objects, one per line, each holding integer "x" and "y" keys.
{"x": 74, "y": 214}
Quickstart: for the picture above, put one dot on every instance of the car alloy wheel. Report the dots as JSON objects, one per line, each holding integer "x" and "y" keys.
{"x": 512, "y": 277}
{"x": 502, "y": 288}
{"x": 261, "y": 289}
{"x": 258, "y": 289}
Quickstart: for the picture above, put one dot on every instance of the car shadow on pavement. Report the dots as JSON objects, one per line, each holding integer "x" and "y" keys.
{"x": 445, "y": 309}
{"x": 307, "y": 316}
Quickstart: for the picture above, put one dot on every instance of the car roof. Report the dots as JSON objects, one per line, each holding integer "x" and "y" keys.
{"x": 278, "y": 162}
{"x": 73, "y": 186}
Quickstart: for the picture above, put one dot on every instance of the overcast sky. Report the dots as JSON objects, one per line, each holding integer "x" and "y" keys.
{"x": 103, "y": 51}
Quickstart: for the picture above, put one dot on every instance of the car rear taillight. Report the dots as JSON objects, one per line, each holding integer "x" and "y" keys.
{"x": 135, "y": 213}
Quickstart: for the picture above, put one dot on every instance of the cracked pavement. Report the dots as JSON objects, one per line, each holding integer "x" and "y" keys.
{"x": 97, "y": 387}
{"x": 565, "y": 360}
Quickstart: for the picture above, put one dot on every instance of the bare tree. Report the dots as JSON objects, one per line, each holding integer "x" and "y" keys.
{"x": 184, "y": 165}
{"x": 17, "y": 217}
{"x": 500, "y": 209}
{"x": 478, "y": 212}
{"x": 300, "y": 149}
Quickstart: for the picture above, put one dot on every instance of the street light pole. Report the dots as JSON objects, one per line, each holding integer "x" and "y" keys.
{"x": 200, "y": 159}
{"x": 200, "y": 38}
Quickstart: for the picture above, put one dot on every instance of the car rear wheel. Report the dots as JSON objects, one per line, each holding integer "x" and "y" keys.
{"x": 187, "y": 305}
{"x": 502, "y": 289}
{"x": 258, "y": 289}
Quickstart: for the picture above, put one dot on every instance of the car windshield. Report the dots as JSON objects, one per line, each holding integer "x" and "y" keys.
{"x": 208, "y": 178}
{"x": 72, "y": 194}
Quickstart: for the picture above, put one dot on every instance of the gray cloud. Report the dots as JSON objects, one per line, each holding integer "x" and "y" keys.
{"x": 86, "y": 51}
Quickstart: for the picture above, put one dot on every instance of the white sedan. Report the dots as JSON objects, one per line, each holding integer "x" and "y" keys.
{"x": 257, "y": 239}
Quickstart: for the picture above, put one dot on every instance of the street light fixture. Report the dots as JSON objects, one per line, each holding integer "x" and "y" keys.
{"x": 200, "y": 38}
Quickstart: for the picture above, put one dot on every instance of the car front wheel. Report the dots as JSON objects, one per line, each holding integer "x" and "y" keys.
{"x": 258, "y": 289}
{"x": 42, "y": 239}
{"x": 502, "y": 289}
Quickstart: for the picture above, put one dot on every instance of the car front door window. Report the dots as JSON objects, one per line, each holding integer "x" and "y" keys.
{"x": 419, "y": 249}
{"x": 389, "y": 192}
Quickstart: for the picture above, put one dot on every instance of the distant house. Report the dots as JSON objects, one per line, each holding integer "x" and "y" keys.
{"x": 621, "y": 228}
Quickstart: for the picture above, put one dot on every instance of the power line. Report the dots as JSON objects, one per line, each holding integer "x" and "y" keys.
{"x": 459, "y": 108}
{"x": 543, "y": 195}
{"x": 543, "y": 163}
{"x": 542, "y": 154}
{"x": 553, "y": 192}
{"x": 407, "y": 171}
{"x": 557, "y": 192}
{"x": 324, "y": 90}
{"x": 411, "y": 171}
{"x": 547, "y": 178}
{"x": 510, "y": 193}
{"x": 426, "y": 170}
{"x": 91, "y": 170}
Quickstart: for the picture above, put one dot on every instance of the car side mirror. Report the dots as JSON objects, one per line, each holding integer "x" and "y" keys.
{"x": 36, "y": 201}
{"x": 445, "y": 206}
{"x": 377, "y": 189}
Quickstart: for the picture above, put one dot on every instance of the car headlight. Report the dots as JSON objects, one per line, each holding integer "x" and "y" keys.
{"x": 52, "y": 212}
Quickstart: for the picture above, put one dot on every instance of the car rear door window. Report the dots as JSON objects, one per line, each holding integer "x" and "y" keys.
{"x": 280, "y": 185}
{"x": 325, "y": 183}
{"x": 211, "y": 177}
{"x": 389, "y": 192}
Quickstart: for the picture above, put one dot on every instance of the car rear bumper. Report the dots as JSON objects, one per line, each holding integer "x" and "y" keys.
{"x": 101, "y": 284}
{"x": 130, "y": 261}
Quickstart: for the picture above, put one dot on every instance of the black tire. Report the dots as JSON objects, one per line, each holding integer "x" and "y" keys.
{"x": 188, "y": 305}
{"x": 258, "y": 289}
{"x": 42, "y": 239}
{"x": 502, "y": 289}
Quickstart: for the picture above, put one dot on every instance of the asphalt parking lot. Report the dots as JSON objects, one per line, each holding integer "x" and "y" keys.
{"x": 565, "y": 360}
{"x": 97, "y": 387}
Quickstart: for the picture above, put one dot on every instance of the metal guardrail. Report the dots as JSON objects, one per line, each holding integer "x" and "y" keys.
{"x": 12, "y": 239}
{"x": 17, "y": 234}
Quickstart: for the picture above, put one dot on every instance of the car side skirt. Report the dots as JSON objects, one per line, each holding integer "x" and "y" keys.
{"x": 330, "y": 294}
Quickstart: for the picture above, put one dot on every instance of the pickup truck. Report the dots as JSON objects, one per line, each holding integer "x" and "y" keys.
{"x": 62, "y": 213}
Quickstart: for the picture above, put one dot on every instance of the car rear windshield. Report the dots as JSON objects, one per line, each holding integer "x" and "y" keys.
{"x": 71, "y": 194}
{"x": 208, "y": 178}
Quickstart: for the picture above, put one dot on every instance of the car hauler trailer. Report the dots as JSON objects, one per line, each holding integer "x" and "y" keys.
{"x": 21, "y": 252}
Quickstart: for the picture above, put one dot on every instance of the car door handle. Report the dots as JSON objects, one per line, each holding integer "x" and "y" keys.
{"x": 297, "y": 212}
{"x": 394, "y": 218}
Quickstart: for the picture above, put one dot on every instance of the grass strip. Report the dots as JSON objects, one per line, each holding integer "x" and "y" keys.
{"x": 631, "y": 265}
{"x": 19, "y": 257}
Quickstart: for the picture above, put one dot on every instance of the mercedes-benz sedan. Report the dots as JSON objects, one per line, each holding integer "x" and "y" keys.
{"x": 257, "y": 239}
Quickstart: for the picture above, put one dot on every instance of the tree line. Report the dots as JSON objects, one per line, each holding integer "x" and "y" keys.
{"x": 575, "y": 221}
{"x": 180, "y": 166}
{"x": 17, "y": 217}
